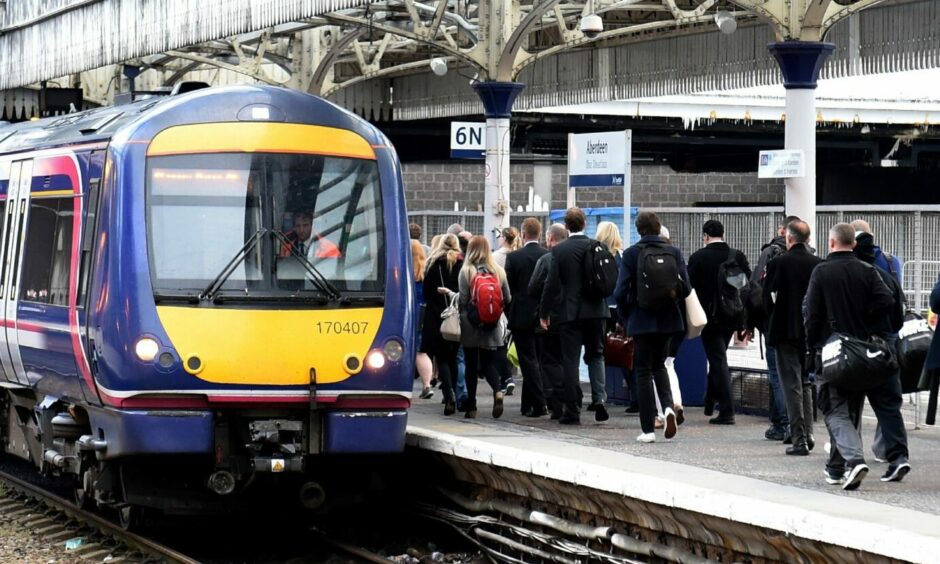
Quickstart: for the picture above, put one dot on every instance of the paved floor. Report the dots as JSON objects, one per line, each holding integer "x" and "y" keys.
{"x": 739, "y": 450}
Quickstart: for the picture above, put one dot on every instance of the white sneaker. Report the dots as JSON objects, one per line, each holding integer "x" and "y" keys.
{"x": 827, "y": 447}
{"x": 646, "y": 438}
{"x": 671, "y": 426}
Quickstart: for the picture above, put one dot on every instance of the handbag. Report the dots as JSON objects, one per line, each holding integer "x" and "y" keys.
{"x": 695, "y": 318}
{"x": 450, "y": 327}
{"x": 857, "y": 365}
{"x": 618, "y": 349}
{"x": 913, "y": 344}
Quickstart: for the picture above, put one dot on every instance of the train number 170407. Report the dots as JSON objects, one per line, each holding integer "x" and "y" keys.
{"x": 342, "y": 327}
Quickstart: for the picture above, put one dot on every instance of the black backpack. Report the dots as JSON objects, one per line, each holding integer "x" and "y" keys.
{"x": 913, "y": 344}
{"x": 733, "y": 289}
{"x": 657, "y": 276}
{"x": 756, "y": 312}
{"x": 599, "y": 271}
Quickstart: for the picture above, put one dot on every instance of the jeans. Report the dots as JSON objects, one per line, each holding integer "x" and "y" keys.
{"x": 480, "y": 360}
{"x": 778, "y": 404}
{"x": 597, "y": 373}
{"x": 461, "y": 378}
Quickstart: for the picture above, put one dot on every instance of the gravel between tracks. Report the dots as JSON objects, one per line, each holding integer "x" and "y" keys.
{"x": 19, "y": 544}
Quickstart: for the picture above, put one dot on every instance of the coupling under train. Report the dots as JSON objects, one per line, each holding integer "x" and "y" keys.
{"x": 198, "y": 290}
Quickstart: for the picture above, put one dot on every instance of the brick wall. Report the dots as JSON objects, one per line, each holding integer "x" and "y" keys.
{"x": 436, "y": 186}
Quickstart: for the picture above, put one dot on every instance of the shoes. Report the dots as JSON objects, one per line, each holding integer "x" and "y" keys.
{"x": 671, "y": 425}
{"x": 787, "y": 437}
{"x": 646, "y": 438}
{"x": 449, "y": 408}
{"x": 556, "y": 415}
{"x": 632, "y": 409}
{"x": 569, "y": 420}
{"x": 722, "y": 420}
{"x": 510, "y": 388}
{"x": 471, "y": 414}
{"x": 799, "y": 449}
{"x": 427, "y": 393}
{"x": 879, "y": 459}
{"x": 855, "y": 476}
{"x": 462, "y": 405}
{"x": 535, "y": 412}
{"x": 827, "y": 447}
{"x": 600, "y": 413}
{"x": 680, "y": 414}
{"x": 811, "y": 442}
{"x": 709, "y": 406}
{"x": 497, "y": 405}
{"x": 774, "y": 433}
{"x": 896, "y": 472}
{"x": 591, "y": 407}
{"x": 434, "y": 382}
{"x": 834, "y": 479}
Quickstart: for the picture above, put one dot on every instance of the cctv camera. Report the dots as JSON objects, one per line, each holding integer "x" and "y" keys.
{"x": 438, "y": 66}
{"x": 726, "y": 22}
{"x": 592, "y": 25}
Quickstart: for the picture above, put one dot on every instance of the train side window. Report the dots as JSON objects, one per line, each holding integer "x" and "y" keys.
{"x": 47, "y": 251}
{"x": 88, "y": 237}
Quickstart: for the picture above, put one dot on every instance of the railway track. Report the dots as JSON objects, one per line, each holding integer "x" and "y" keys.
{"x": 57, "y": 520}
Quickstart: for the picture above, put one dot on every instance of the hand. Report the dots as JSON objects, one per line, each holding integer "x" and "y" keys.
{"x": 544, "y": 323}
{"x": 444, "y": 291}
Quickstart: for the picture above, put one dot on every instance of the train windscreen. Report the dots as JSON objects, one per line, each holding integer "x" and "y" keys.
{"x": 265, "y": 226}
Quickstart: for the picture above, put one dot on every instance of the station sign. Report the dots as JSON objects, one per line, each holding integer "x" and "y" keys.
{"x": 781, "y": 164}
{"x": 598, "y": 160}
{"x": 467, "y": 140}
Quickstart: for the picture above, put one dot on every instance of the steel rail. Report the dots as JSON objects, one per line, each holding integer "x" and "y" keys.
{"x": 106, "y": 527}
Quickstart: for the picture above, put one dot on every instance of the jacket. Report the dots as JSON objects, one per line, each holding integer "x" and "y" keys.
{"x": 537, "y": 288}
{"x": 887, "y": 325}
{"x": 703, "y": 273}
{"x": 563, "y": 289}
{"x": 642, "y": 321}
{"x": 472, "y": 336}
{"x": 612, "y": 299}
{"x": 933, "y": 355}
{"x": 520, "y": 264}
{"x": 758, "y": 313}
{"x": 844, "y": 295}
{"x": 784, "y": 289}
{"x": 894, "y": 269}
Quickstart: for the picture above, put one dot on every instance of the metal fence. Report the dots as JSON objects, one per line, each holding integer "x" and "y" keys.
{"x": 910, "y": 233}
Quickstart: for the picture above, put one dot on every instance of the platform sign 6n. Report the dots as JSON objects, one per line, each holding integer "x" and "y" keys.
{"x": 467, "y": 140}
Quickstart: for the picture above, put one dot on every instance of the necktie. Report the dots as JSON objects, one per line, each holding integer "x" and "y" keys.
{"x": 302, "y": 249}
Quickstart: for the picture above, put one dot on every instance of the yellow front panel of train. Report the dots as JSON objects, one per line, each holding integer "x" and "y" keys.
{"x": 274, "y": 347}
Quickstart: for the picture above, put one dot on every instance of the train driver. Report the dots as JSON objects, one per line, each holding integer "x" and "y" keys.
{"x": 307, "y": 241}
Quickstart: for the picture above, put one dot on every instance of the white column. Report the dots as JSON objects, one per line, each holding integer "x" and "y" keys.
{"x": 801, "y": 135}
{"x": 496, "y": 182}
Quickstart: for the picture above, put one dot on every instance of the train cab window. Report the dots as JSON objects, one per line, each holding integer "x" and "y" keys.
{"x": 47, "y": 251}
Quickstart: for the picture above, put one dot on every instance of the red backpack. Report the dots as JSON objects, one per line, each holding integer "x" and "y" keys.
{"x": 486, "y": 300}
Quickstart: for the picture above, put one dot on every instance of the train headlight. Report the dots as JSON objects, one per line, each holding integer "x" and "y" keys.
{"x": 394, "y": 350}
{"x": 146, "y": 349}
{"x": 375, "y": 359}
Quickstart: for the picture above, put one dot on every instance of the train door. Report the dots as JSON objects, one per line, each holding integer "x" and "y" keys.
{"x": 7, "y": 210}
{"x": 21, "y": 176}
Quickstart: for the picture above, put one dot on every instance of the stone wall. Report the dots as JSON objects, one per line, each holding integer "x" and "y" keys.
{"x": 436, "y": 186}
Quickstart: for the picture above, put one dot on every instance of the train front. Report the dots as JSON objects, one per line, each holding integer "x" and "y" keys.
{"x": 255, "y": 304}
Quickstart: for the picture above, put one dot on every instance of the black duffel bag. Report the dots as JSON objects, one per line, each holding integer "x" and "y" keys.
{"x": 855, "y": 364}
{"x": 913, "y": 343}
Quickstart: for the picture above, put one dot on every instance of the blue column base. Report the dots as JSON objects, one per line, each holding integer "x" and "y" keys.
{"x": 498, "y": 97}
{"x": 800, "y": 61}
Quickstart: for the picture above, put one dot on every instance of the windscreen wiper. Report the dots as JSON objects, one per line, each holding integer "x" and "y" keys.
{"x": 316, "y": 276}
{"x": 229, "y": 268}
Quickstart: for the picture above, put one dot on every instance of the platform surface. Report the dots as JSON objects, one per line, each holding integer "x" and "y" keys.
{"x": 725, "y": 471}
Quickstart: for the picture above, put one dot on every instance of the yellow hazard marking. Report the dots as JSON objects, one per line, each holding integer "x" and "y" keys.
{"x": 277, "y": 465}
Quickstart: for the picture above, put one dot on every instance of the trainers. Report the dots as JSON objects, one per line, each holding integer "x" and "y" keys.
{"x": 646, "y": 438}
{"x": 879, "y": 459}
{"x": 497, "y": 405}
{"x": 600, "y": 412}
{"x": 834, "y": 479}
{"x": 680, "y": 414}
{"x": 510, "y": 388}
{"x": 632, "y": 409}
{"x": 896, "y": 472}
{"x": 855, "y": 476}
{"x": 774, "y": 433}
{"x": 427, "y": 393}
{"x": 671, "y": 424}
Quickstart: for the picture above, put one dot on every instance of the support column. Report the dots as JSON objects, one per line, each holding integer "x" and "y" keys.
{"x": 497, "y": 98}
{"x": 800, "y": 62}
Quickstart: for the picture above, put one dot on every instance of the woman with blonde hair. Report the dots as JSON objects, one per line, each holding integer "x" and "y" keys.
{"x": 509, "y": 242}
{"x": 422, "y": 361}
{"x": 440, "y": 278}
{"x": 480, "y": 342}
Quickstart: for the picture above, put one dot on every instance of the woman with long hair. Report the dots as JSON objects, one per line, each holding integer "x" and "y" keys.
{"x": 480, "y": 343}
{"x": 609, "y": 234}
{"x": 422, "y": 361}
{"x": 440, "y": 279}
{"x": 509, "y": 242}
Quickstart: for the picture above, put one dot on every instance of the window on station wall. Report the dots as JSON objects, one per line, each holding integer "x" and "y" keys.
{"x": 47, "y": 252}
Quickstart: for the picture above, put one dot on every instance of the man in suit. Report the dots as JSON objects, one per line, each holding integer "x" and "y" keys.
{"x": 703, "y": 273}
{"x": 523, "y": 316}
{"x": 582, "y": 317}
{"x": 784, "y": 289}
{"x": 550, "y": 347}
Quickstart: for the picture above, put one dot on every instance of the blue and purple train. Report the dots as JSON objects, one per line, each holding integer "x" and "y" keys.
{"x": 200, "y": 289}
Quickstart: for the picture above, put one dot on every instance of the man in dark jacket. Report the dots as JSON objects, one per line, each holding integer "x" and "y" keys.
{"x": 784, "y": 288}
{"x": 703, "y": 273}
{"x": 651, "y": 327}
{"x": 523, "y": 316}
{"x": 848, "y": 296}
{"x": 582, "y": 316}
{"x": 553, "y": 375}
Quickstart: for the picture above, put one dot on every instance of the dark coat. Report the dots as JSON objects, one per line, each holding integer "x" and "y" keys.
{"x": 638, "y": 320}
{"x": 564, "y": 285}
{"x": 523, "y": 312}
{"x": 844, "y": 295}
{"x": 788, "y": 277}
{"x": 537, "y": 288}
{"x": 933, "y": 356}
{"x": 437, "y": 276}
{"x": 703, "y": 273}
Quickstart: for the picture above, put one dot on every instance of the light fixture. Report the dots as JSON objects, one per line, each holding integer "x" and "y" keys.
{"x": 438, "y": 66}
{"x": 726, "y": 22}
{"x": 375, "y": 359}
{"x": 146, "y": 349}
{"x": 393, "y": 350}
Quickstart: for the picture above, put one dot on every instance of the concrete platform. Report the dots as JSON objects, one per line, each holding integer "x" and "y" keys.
{"x": 727, "y": 472}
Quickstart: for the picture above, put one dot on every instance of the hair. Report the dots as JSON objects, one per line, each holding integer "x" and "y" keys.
{"x": 455, "y": 229}
{"x": 862, "y": 225}
{"x": 575, "y": 220}
{"x": 557, "y": 232}
{"x": 790, "y": 219}
{"x": 414, "y": 230}
{"x": 799, "y": 230}
{"x": 647, "y": 223}
{"x": 713, "y": 228}
{"x": 664, "y": 234}
{"x": 418, "y": 260}
{"x": 843, "y": 234}
{"x": 608, "y": 234}
{"x": 303, "y": 215}
{"x": 446, "y": 245}
{"x": 434, "y": 241}
{"x": 511, "y": 237}
{"x": 531, "y": 229}
{"x": 479, "y": 253}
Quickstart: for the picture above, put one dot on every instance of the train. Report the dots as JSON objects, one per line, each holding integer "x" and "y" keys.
{"x": 201, "y": 289}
